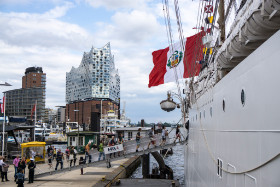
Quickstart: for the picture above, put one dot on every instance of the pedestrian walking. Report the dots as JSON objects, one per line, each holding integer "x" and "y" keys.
{"x": 1, "y": 162}
{"x": 138, "y": 139}
{"x": 87, "y": 152}
{"x": 50, "y": 158}
{"x": 22, "y": 164}
{"x": 163, "y": 135}
{"x": 16, "y": 162}
{"x": 20, "y": 178}
{"x": 59, "y": 159}
{"x": 72, "y": 157}
{"x": 54, "y": 153}
{"x": 31, "y": 167}
{"x": 82, "y": 162}
{"x": 152, "y": 138}
{"x": 120, "y": 141}
{"x": 5, "y": 168}
{"x": 67, "y": 153}
{"x": 112, "y": 142}
{"x": 101, "y": 150}
{"x": 177, "y": 134}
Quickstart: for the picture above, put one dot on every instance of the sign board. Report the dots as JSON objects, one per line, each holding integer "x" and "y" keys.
{"x": 113, "y": 149}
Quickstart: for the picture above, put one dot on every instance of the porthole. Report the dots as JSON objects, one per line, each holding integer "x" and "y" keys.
{"x": 224, "y": 105}
{"x": 242, "y": 97}
{"x": 211, "y": 112}
{"x": 204, "y": 113}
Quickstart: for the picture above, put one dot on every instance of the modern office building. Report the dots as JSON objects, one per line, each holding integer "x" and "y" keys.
{"x": 96, "y": 77}
{"x": 20, "y": 102}
{"x": 60, "y": 114}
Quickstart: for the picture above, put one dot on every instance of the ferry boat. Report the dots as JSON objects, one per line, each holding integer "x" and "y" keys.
{"x": 110, "y": 121}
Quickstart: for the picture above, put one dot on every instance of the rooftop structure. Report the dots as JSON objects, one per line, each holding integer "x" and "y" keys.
{"x": 96, "y": 77}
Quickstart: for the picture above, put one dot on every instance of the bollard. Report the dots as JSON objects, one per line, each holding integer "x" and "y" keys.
{"x": 145, "y": 165}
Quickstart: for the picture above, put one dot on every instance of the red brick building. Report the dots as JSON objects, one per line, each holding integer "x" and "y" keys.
{"x": 89, "y": 112}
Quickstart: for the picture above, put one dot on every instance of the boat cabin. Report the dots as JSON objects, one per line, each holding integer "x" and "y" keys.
{"x": 129, "y": 133}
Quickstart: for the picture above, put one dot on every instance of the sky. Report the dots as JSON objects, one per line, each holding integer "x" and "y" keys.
{"x": 54, "y": 34}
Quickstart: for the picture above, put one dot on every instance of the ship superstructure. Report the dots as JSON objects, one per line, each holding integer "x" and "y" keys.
{"x": 232, "y": 105}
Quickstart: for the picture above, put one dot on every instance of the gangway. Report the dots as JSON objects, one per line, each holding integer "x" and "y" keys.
{"x": 129, "y": 151}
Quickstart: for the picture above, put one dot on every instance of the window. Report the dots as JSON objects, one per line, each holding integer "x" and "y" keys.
{"x": 224, "y": 105}
{"x": 211, "y": 112}
{"x": 72, "y": 141}
{"x": 81, "y": 140}
{"x": 129, "y": 135}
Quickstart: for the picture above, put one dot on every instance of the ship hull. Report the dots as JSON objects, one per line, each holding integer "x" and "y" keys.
{"x": 240, "y": 131}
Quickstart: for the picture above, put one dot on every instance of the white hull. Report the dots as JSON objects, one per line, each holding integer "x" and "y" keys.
{"x": 243, "y": 137}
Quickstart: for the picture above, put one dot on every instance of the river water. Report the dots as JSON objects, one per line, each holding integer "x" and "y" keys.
{"x": 175, "y": 161}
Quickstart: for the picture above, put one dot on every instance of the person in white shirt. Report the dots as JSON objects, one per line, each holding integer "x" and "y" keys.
{"x": 1, "y": 162}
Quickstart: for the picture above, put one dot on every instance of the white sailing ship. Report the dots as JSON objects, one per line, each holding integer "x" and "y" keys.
{"x": 234, "y": 102}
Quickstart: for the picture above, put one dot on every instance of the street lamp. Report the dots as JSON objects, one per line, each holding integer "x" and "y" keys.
{"x": 4, "y": 121}
{"x": 78, "y": 131}
{"x": 169, "y": 105}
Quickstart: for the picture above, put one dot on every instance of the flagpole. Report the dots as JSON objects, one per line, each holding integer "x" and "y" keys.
{"x": 4, "y": 121}
{"x": 35, "y": 119}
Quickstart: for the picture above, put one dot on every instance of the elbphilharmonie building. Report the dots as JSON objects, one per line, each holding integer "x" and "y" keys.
{"x": 96, "y": 77}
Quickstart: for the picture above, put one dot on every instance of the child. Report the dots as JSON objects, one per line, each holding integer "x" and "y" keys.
{"x": 20, "y": 178}
{"x": 82, "y": 162}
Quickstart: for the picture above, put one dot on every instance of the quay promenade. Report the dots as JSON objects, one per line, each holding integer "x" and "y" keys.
{"x": 94, "y": 171}
{"x": 91, "y": 176}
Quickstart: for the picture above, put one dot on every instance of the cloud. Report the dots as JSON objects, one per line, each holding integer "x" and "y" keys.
{"x": 43, "y": 30}
{"x": 115, "y": 5}
{"x": 135, "y": 29}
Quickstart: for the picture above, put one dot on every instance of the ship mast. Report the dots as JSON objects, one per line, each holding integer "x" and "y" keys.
{"x": 221, "y": 20}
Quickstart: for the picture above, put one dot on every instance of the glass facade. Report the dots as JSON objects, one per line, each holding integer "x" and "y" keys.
{"x": 96, "y": 77}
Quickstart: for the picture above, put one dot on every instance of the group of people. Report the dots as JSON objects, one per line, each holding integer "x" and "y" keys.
{"x": 19, "y": 166}
{"x": 70, "y": 153}
{"x": 151, "y": 134}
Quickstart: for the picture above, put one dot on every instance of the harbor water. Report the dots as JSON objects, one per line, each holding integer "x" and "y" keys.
{"x": 175, "y": 161}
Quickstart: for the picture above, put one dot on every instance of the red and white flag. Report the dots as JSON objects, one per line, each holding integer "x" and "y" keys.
{"x": 2, "y": 106}
{"x": 33, "y": 110}
{"x": 166, "y": 59}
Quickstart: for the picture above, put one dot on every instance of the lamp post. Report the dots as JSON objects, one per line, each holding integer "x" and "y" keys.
{"x": 169, "y": 105}
{"x": 78, "y": 146}
{"x": 4, "y": 121}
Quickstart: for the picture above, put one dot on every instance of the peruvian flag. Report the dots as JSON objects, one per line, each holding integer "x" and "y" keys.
{"x": 166, "y": 59}
{"x": 33, "y": 110}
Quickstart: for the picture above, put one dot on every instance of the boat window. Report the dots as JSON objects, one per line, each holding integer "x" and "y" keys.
{"x": 129, "y": 135}
{"x": 200, "y": 115}
{"x": 242, "y": 97}
{"x": 224, "y": 105}
{"x": 211, "y": 112}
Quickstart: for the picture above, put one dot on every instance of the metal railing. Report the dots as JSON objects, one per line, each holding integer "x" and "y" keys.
{"x": 128, "y": 152}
